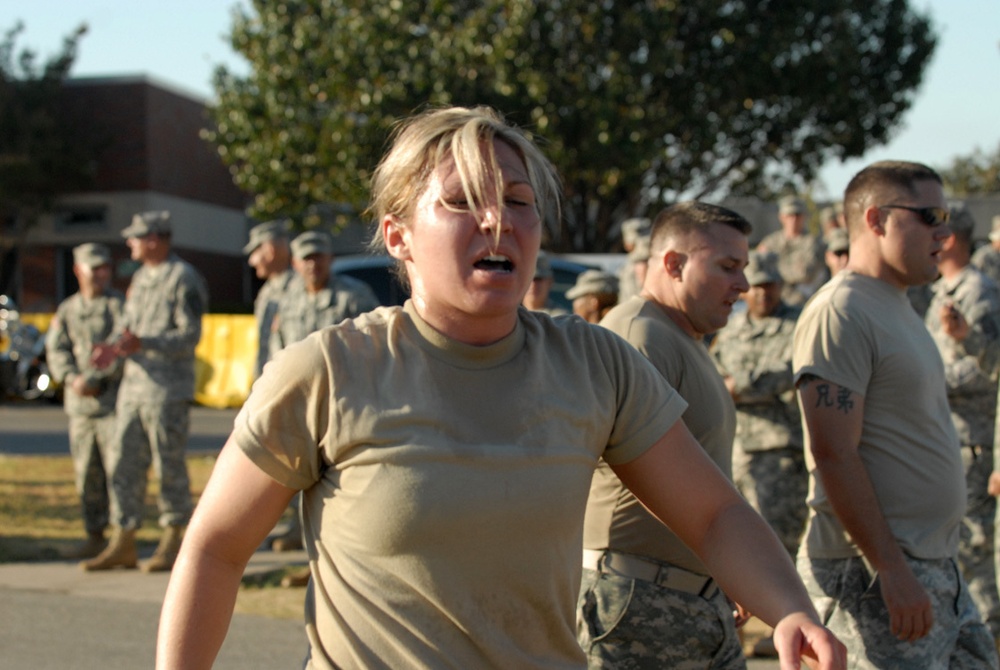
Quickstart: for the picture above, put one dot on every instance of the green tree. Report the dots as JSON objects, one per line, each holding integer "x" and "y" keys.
{"x": 974, "y": 174}
{"x": 41, "y": 154}
{"x": 637, "y": 102}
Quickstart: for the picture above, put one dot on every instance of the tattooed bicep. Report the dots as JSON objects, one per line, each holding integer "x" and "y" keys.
{"x": 826, "y": 394}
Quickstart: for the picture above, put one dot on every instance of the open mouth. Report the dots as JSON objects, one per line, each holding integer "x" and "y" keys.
{"x": 495, "y": 263}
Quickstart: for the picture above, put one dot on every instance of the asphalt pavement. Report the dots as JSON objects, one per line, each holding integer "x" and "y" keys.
{"x": 54, "y": 615}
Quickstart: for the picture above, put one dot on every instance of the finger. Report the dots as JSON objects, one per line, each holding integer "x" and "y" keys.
{"x": 924, "y": 623}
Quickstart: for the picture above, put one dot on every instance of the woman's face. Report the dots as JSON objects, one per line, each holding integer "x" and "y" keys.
{"x": 467, "y": 280}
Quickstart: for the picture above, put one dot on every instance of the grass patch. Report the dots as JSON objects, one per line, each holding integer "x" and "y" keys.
{"x": 40, "y": 519}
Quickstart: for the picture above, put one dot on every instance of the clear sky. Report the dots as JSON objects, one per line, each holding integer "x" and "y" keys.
{"x": 179, "y": 42}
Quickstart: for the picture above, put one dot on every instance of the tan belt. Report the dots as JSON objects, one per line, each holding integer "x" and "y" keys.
{"x": 661, "y": 574}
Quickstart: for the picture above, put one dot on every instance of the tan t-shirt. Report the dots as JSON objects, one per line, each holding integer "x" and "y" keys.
{"x": 445, "y": 484}
{"x": 862, "y": 334}
{"x": 615, "y": 518}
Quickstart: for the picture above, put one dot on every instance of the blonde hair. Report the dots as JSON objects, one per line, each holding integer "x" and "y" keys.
{"x": 423, "y": 142}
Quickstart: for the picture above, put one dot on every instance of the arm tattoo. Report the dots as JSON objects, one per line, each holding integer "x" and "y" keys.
{"x": 830, "y": 395}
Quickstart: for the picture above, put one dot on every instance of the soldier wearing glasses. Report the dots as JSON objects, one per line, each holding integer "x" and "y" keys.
{"x": 887, "y": 481}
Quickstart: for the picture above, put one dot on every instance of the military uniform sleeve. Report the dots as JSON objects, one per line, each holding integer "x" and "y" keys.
{"x": 59, "y": 348}
{"x": 189, "y": 304}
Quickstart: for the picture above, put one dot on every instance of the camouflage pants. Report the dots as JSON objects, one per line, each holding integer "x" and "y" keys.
{"x": 975, "y": 548}
{"x": 151, "y": 434}
{"x": 89, "y": 447}
{"x": 849, "y": 601}
{"x": 631, "y": 624}
{"x": 775, "y": 483}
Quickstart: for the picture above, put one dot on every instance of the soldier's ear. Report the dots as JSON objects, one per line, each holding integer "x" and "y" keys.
{"x": 396, "y": 237}
{"x": 873, "y": 220}
{"x": 673, "y": 262}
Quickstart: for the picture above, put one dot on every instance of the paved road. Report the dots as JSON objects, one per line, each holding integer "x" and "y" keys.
{"x": 40, "y": 428}
{"x": 54, "y": 615}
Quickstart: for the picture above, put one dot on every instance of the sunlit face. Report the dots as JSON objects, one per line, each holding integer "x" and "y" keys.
{"x": 763, "y": 299}
{"x": 93, "y": 279}
{"x": 910, "y": 247}
{"x": 264, "y": 260}
{"x": 712, "y": 277}
{"x": 140, "y": 247}
{"x": 792, "y": 224}
{"x": 467, "y": 281}
{"x": 314, "y": 270}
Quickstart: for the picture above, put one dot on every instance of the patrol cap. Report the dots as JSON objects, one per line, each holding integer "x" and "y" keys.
{"x": 791, "y": 204}
{"x": 543, "y": 266}
{"x": 634, "y": 228}
{"x": 838, "y": 240}
{"x": 995, "y": 230}
{"x": 592, "y": 282}
{"x": 91, "y": 254}
{"x": 265, "y": 232}
{"x": 762, "y": 268}
{"x": 312, "y": 242}
{"x": 146, "y": 223}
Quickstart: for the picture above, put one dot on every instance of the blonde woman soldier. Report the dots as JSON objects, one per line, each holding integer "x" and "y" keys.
{"x": 444, "y": 448}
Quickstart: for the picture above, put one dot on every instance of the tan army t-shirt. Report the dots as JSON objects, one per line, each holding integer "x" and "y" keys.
{"x": 615, "y": 519}
{"x": 445, "y": 484}
{"x": 862, "y": 334}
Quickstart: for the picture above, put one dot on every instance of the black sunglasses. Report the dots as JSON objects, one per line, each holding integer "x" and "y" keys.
{"x": 931, "y": 216}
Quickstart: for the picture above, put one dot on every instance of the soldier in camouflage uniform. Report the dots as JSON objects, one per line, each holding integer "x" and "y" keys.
{"x": 754, "y": 355}
{"x": 82, "y": 320}
{"x": 987, "y": 257}
{"x": 800, "y": 254}
{"x": 318, "y": 298}
{"x": 157, "y": 339}
{"x": 270, "y": 257}
{"x": 964, "y": 319}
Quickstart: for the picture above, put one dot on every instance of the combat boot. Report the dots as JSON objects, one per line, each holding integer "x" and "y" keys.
{"x": 89, "y": 548}
{"x": 166, "y": 552}
{"x": 120, "y": 553}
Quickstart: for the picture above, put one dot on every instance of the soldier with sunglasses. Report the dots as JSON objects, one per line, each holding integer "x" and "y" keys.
{"x": 887, "y": 481}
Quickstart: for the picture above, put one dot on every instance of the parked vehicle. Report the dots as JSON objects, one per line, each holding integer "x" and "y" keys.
{"x": 377, "y": 272}
{"x": 23, "y": 371}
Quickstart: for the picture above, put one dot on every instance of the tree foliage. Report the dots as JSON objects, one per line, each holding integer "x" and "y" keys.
{"x": 975, "y": 174}
{"x": 40, "y": 153}
{"x": 37, "y": 149}
{"x": 637, "y": 102}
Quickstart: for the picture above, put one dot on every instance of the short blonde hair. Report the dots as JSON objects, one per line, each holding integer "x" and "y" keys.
{"x": 422, "y": 142}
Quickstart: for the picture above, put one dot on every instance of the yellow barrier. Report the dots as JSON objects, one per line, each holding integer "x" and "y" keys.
{"x": 224, "y": 358}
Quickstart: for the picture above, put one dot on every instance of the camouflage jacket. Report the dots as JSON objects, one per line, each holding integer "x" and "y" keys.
{"x": 757, "y": 355}
{"x": 265, "y": 310}
{"x": 800, "y": 262}
{"x": 971, "y": 365}
{"x": 78, "y": 325}
{"x": 163, "y": 307}
{"x": 987, "y": 259}
{"x": 303, "y": 313}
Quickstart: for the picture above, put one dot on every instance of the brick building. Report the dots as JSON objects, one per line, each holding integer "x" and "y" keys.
{"x": 151, "y": 157}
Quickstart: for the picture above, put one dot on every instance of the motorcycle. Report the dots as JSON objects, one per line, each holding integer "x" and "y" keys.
{"x": 23, "y": 371}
